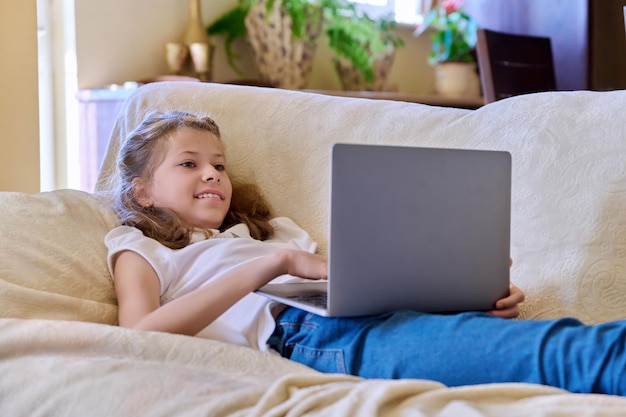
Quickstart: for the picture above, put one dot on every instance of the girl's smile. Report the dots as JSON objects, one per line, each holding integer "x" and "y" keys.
{"x": 210, "y": 194}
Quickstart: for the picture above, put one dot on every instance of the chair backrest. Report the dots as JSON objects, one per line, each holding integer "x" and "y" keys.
{"x": 514, "y": 64}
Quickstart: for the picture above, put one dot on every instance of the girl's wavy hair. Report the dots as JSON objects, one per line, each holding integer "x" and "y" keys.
{"x": 140, "y": 156}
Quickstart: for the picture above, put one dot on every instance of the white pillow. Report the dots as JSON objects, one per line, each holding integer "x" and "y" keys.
{"x": 53, "y": 257}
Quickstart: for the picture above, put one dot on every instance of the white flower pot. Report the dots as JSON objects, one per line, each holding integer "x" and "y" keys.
{"x": 457, "y": 79}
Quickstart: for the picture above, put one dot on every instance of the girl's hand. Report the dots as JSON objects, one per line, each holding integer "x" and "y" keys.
{"x": 306, "y": 265}
{"x": 508, "y": 307}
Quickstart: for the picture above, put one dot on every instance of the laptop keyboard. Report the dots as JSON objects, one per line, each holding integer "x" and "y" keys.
{"x": 318, "y": 300}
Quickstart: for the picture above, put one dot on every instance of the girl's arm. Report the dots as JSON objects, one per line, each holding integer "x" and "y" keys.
{"x": 138, "y": 288}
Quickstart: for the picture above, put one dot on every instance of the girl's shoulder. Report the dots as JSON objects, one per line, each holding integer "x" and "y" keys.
{"x": 124, "y": 231}
{"x": 125, "y": 237}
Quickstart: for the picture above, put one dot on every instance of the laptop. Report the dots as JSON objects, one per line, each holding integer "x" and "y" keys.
{"x": 425, "y": 229}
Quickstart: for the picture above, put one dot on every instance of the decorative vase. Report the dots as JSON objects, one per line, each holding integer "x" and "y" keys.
{"x": 352, "y": 79}
{"x": 198, "y": 43}
{"x": 195, "y": 31}
{"x": 283, "y": 61}
{"x": 457, "y": 79}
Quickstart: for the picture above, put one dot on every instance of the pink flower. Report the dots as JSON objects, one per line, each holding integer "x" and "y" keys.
{"x": 452, "y": 5}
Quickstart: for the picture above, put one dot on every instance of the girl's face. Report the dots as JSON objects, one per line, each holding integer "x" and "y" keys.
{"x": 191, "y": 179}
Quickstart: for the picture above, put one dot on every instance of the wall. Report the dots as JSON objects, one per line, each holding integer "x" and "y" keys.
{"x": 19, "y": 139}
{"x": 563, "y": 21}
{"x": 587, "y": 36}
{"x": 121, "y": 40}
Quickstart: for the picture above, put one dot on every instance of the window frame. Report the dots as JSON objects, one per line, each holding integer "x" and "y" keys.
{"x": 410, "y": 12}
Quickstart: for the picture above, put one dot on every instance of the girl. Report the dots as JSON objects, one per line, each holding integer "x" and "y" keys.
{"x": 192, "y": 248}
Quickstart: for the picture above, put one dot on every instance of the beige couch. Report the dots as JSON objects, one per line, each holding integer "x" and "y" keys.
{"x": 61, "y": 353}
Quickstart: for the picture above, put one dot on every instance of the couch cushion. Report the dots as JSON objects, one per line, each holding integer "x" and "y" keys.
{"x": 568, "y": 219}
{"x": 53, "y": 257}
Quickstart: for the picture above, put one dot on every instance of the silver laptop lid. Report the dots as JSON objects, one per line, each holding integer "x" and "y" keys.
{"x": 420, "y": 228}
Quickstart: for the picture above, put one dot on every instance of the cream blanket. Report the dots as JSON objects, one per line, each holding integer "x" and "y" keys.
{"x": 59, "y": 368}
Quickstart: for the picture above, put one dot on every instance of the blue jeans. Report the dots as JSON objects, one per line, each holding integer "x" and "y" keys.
{"x": 459, "y": 349}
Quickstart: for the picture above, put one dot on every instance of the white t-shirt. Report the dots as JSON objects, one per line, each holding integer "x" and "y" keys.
{"x": 247, "y": 323}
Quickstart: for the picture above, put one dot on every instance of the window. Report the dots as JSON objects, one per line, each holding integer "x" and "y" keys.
{"x": 404, "y": 11}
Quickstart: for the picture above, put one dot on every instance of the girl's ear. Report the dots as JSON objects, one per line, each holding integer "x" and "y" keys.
{"x": 140, "y": 194}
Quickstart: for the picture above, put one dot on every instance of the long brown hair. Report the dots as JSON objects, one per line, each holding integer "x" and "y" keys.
{"x": 139, "y": 157}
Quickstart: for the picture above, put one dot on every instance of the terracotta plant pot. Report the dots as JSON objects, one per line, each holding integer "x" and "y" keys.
{"x": 352, "y": 79}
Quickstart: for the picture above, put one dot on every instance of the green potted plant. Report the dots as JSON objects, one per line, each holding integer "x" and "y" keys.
{"x": 266, "y": 24}
{"x": 453, "y": 36}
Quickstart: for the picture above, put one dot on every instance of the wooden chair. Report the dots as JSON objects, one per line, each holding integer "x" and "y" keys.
{"x": 514, "y": 64}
